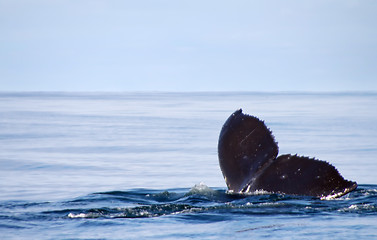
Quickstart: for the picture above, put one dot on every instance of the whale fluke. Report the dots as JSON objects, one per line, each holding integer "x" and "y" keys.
{"x": 248, "y": 160}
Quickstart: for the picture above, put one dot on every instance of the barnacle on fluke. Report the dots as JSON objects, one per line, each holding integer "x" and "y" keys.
{"x": 248, "y": 157}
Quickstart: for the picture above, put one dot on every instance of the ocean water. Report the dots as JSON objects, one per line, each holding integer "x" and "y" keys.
{"x": 144, "y": 166}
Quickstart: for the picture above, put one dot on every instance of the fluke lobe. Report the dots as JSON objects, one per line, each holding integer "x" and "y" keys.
{"x": 248, "y": 160}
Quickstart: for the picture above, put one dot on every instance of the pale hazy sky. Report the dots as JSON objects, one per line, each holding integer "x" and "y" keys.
{"x": 179, "y": 45}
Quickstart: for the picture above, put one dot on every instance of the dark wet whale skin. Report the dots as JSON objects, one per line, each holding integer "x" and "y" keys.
{"x": 248, "y": 160}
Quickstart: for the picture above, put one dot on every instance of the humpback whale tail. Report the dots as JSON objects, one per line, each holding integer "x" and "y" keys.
{"x": 248, "y": 160}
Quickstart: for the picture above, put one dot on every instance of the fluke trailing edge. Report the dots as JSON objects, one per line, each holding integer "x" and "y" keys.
{"x": 248, "y": 160}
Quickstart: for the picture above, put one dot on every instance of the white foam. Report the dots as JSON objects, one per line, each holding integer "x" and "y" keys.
{"x": 260, "y": 192}
{"x": 201, "y": 188}
{"x": 256, "y": 192}
{"x": 336, "y": 195}
{"x": 360, "y": 207}
{"x": 80, "y": 215}
{"x": 353, "y": 206}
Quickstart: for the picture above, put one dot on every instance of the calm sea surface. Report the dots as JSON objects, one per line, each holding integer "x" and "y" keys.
{"x": 144, "y": 166}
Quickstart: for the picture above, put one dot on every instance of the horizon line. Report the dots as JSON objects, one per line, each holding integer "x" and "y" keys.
{"x": 197, "y": 91}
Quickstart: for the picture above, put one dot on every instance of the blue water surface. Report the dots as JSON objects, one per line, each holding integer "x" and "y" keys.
{"x": 144, "y": 166}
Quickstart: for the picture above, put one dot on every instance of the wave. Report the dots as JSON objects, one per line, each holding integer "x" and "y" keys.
{"x": 202, "y": 199}
{"x": 198, "y": 203}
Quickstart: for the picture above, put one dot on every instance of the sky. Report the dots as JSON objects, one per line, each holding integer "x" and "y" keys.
{"x": 170, "y": 45}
